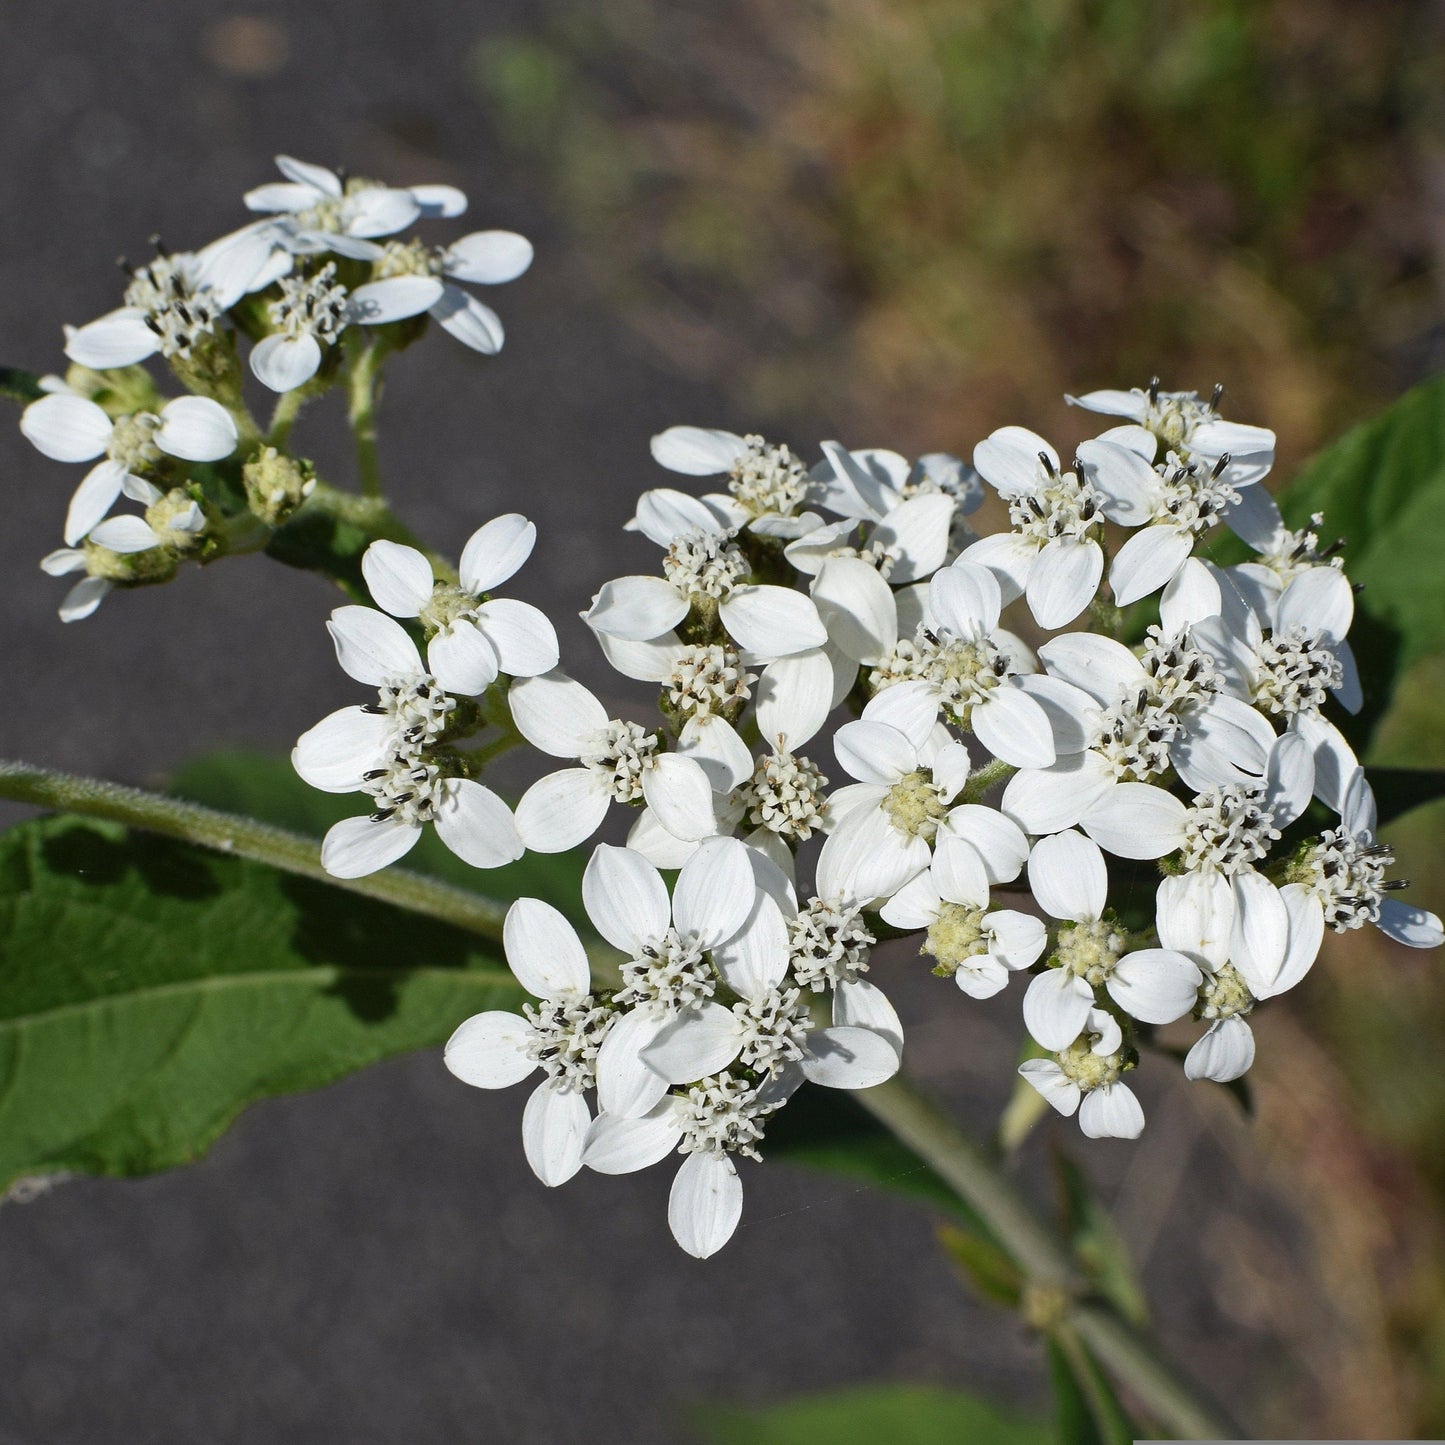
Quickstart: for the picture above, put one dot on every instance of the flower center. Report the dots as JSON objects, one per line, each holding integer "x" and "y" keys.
{"x": 566, "y": 1035}
{"x": 1180, "y": 672}
{"x": 418, "y": 709}
{"x": 1135, "y": 736}
{"x": 669, "y": 973}
{"x": 1348, "y": 874}
{"x": 704, "y": 565}
{"x": 620, "y": 753}
{"x": 1173, "y": 415}
{"x": 708, "y": 679}
{"x": 914, "y": 805}
{"x": 405, "y": 789}
{"x": 768, "y": 479}
{"x": 1292, "y": 553}
{"x": 1228, "y": 829}
{"x": 179, "y": 312}
{"x": 1086, "y": 1068}
{"x": 132, "y": 441}
{"x": 1193, "y": 494}
{"x": 1067, "y": 505}
{"x": 720, "y": 1115}
{"x": 311, "y": 306}
{"x": 828, "y": 945}
{"x": 448, "y": 603}
{"x": 407, "y": 258}
{"x": 1297, "y": 671}
{"x": 1089, "y": 950}
{"x": 774, "y": 1029}
{"x": 1225, "y": 995}
{"x": 955, "y": 936}
{"x": 785, "y": 795}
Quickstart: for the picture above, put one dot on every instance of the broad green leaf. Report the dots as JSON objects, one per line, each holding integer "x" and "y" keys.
{"x": 897, "y": 1414}
{"x": 1098, "y": 1245}
{"x": 150, "y": 990}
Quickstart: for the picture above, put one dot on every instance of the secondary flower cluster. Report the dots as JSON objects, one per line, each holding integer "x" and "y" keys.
{"x": 322, "y": 289}
{"x": 1183, "y": 733}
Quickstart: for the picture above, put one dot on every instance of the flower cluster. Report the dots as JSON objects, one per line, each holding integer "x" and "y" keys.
{"x": 322, "y": 290}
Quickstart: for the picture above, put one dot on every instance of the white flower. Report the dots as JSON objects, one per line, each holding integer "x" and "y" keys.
{"x": 618, "y": 762}
{"x": 474, "y": 637}
{"x": 87, "y": 594}
{"x": 1154, "y": 985}
{"x": 70, "y": 428}
{"x": 979, "y": 947}
{"x": 171, "y": 304}
{"x": 387, "y": 749}
{"x": 310, "y": 315}
{"x": 766, "y": 484}
{"x": 561, "y": 1034}
{"x": 1184, "y": 423}
{"x": 1084, "y": 1078}
{"x": 326, "y": 213}
{"x": 1226, "y": 1048}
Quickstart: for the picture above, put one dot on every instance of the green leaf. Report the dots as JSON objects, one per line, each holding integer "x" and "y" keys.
{"x": 150, "y": 990}
{"x": 1087, "y": 1411}
{"x": 898, "y": 1414}
{"x": 1098, "y": 1245}
{"x": 1399, "y": 790}
{"x": 986, "y": 1267}
{"x": 22, "y": 386}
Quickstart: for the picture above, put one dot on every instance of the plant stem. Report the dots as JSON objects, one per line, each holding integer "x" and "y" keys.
{"x": 1131, "y": 1357}
{"x": 988, "y": 776}
{"x": 244, "y": 838}
{"x": 363, "y": 376}
{"x": 283, "y": 416}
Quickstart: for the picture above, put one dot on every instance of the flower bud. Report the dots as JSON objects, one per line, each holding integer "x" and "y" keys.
{"x": 276, "y": 485}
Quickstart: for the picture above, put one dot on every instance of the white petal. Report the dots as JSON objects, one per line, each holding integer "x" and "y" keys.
{"x": 915, "y": 535}
{"x": 1192, "y": 595}
{"x": 282, "y": 196}
{"x": 915, "y": 905}
{"x": 495, "y": 552}
{"x": 715, "y": 892}
{"x": 488, "y": 258}
{"x": 84, "y": 598}
{"x": 1047, "y": 800}
{"x": 1050, "y": 1080}
{"x": 438, "y": 200}
{"x": 1261, "y": 932}
{"x": 855, "y": 489}
{"x": 697, "y": 451}
{"x": 981, "y": 976}
{"x": 355, "y": 847}
{"x": 120, "y": 338}
{"x": 304, "y": 173}
{"x": 1155, "y": 985}
{"x": 126, "y": 534}
{"x": 664, "y": 514}
{"x": 1147, "y": 561}
{"x": 1111, "y": 1112}
{"x": 998, "y": 840}
{"x": 1414, "y": 927}
{"x": 1227, "y": 742}
{"x": 1132, "y": 404}
{"x": 555, "y": 713}
{"x": 1063, "y": 581}
{"x": 283, "y": 362}
{"x": 476, "y": 824}
{"x": 1104, "y": 669}
{"x": 1009, "y": 557}
{"x": 1129, "y": 483}
{"x": 561, "y": 810}
{"x": 794, "y": 697}
{"x": 849, "y": 1058}
{"x": 554, "y": 1125}
{"x": 652, "y": 660}
{"x": 1056, "y": 1007}
{"x": 700, "y": 1041}
{"x": 712, "y": 742}
{"x": 865, "y": 858}
{"x": 93, "y": 498}
{"x": 909, "y": 707}
{"x": 874, "y": 752}
{"x": 399, "y": 578}
{"x": 772, "y": 621}
{"x": 524, "y": 640}
{"x": 864, "y": 1005}
{"x": 1224, "y": 1053}
{"x": 1073, "y": 715}
{"x": 1318, "y": 601}
{"x": 679, "y": 793}
{"x": 395, "y": 299}
{"x": 626, "y": 1086}
{"x": 489, "y": 1051}
{"x": 1137, "y": 820}
{"x": 1069, "y": 879}
{"x": 380, "y": 211}
{"x": 1014, "y": 728}
{"x": 196, "y": 429}
{"x": 951, "y": 766}
{"x": 1016, "y": 939}
{"x": 650, "y": 839}
{"x": 544, "y": 952}
{"x": 335, "y": 753}
{"x": 857, "y": 608}
{"x": 755, "y": 957}
{"x": 622, "y": 1146}
{"x": 1195, "y": 913}
{"x": 1290, "y": 776}
{"x": 625, "y": 898}
{"x": 1008, "y": 460}
{"x": 705, "y": 1204}
{"x": 958, "y": 872}
{"x": 372, "y": 647}
{"x": 469, "y": 321}
{"x": 965, "y": 599}
{"x": 66, "y": 428}
{"x": 637, "y": 608}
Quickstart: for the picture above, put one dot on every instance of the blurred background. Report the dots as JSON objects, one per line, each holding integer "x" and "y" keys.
{"x": 899, "y": 224}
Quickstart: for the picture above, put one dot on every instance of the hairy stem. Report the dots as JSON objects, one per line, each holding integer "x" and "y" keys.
{"x": 363, "y": 379}
{"x": 283, "y": 416}
{"x": 988, "y": 776}
{"x": 244, "y": 838}
{"x": 1131, "y": 1357}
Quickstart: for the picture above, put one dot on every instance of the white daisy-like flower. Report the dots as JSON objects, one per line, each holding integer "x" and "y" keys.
{"x": 1185, "y": 423}
{"x": 386, "y": 749}
{"x": 980, "y": 947}
{"x": 69, "y": 428}
{"x": 1084, "y": 1079}
{"x": 562, "y": 1034}
{"x": 324, "y": 212}
{"x": 1154, "y": 985}
{"x": 766, "y": 482}
{"x": 85, "y": 595}
{"x": 1225, "y": 1050}
{"x": 474, "y": 637}
{"x": 309, "y": 317}
{"x": 618, "y": 761}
